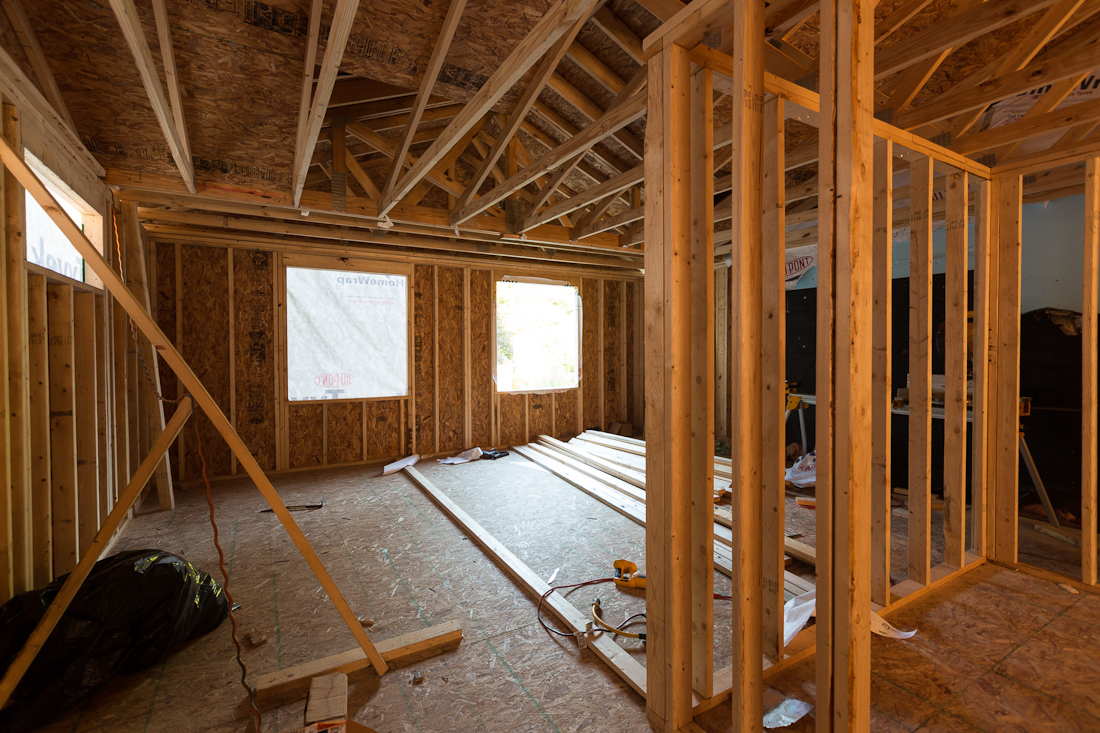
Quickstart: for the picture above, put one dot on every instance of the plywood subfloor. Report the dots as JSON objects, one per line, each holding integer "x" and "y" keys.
{"x": 403, "y": 564}
{"x": 995, "y": 650}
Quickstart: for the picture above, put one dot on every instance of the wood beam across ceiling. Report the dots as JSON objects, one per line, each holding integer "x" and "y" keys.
{"x": 132, "y": 31}
{"x": 431, "y": 72}
{"x": 557, "y": 21}
{"x": 619, "y": 115}
{"x": 526, "y": 101}
{"x": 339, "y": 31}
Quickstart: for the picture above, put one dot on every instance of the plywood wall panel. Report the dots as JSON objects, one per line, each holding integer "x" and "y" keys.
{"x": 481, "y": 357}
{"x": 539, "y": 416}
{"x": 383, "y": 439}
{"x": 590, "y": 355}
{"x": 254, "y": 360}
{"x": 424, "y": 357}
{"x": 344, "y": 431}
{"x": 565, "y": 414}
{"x": 306, "y": 429}
{"x": 205, "y": 346}
{"x": 452, "y": 376}
{"x": 613, "y": 351}
{"x": 511, "y": 420}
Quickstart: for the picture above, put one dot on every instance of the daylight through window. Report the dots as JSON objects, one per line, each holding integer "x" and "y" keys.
{"x": 347, "y": 334}
{"x": 538, "y": 336}
{"x": 47, "y": 246}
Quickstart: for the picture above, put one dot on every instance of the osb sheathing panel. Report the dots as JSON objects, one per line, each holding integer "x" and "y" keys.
{"x": 306, "y": 431}
{"x": 452, "y": 377}
{"x": 613, "y": 351}
{"x": 539, "y": 416}
{"x": 629, "y": 324}
{"x": 511, "y": 420}
{"x": 344, "y": 431}
{"x": 424, "y": 357}
{"x": 481, "y": 356}
{"x": 565, "y": 414}
{"x": 590, "y": 356}
{"x": 205, "y": 346}
{"x": 254, "y": 361}
{"x": 239, "y": 63}
{"x": 165, "y": 307}
{"x": 240, "y": 86}
{"x": 383, "y": 429}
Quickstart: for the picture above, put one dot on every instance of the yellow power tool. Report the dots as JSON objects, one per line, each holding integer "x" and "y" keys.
{"x": 627, "y": 575}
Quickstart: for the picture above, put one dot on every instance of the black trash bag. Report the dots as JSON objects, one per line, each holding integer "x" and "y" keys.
{"x": 134, "y": 609}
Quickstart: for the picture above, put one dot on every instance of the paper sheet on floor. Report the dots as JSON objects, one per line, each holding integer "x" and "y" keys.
{"x": 398, "y": 465}
{"x": 882, "y": 627}
{"x": 798, "y": 610}
{"x": 789, "y": 712}
{"x": 464, "y": 457}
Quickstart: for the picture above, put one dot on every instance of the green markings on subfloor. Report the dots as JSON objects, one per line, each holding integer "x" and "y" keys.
{"x": 522, "y": 686}
{"x": 156, "y": 689}
{"x": 351, "y": 558}
{"x": 400, "y": 579}
{"x": 408, "y": 706}
{"x": 275, "y": 596}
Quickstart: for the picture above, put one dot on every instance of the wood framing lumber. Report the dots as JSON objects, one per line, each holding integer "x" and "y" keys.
{"x": 627, "y": 217}
{"x": 190, "y": 382}
{"x": 694, "y": 22}
{"x": 1090, "y": 305}
{"x": 784, "y": 16}
{"x": 897, "y": 18}
{"x": 305, "y": 97}
{"x": 1053, "y": 157}
{"x": 633, "y": 673}
{"x": 171, "y": 76}
{"x": 557, "y": 20}
{"x": 519, "y": 113}
{"x": 746, "y": 427}
{"x": 1007, "y": 249}
{"x": 955, "y": 372}
{"x": 292, "y": 683}
{"x": 619, "y": 33}
{"x": 1060, "y": 119}
{"x": 616, "y": 117}
{"x": 132, "y": 31}
{"x": 431, "y": 72}
{"x": 953, "y": 32}
{"x": 979, "y": 439}
{"x": 844, "y": 369}
{"x": 920, "y": 371}
{"x": 21, "y": 24}
{"x": 1036, "y": 74}
{"x": 385, "y": 146}
{"x": 339, "y": 30}
{"x": 71, "y": 586}
{"x": 62, "y": 388}
{"x": 882, "y": 392}
{"x": 609, "y": 187}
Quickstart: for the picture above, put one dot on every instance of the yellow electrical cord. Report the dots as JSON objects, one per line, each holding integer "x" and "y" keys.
{"x": 600, "y": 622}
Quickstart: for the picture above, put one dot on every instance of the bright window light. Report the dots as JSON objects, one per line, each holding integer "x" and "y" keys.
{"x": 47, "y": 246}
{"x": 347, "y": 334}
{"x": 538, "y": 336}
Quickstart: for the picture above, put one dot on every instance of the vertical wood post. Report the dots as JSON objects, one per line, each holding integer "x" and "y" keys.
{"x": 1088, "y": 372}
{"x": 882, "y": 392}
{"x": 63, "y": 472}
{"x": 668, "y": 391}
{"x": 105, "y": 446}
{"x": 846, "y": 162}
{"x": 979, "y": 448}
{"x": 1008, "y": 202}
{"x": 702, "y": 382}
{"x": 745, "y": 372}
{"x": 773, "y": 378}
{"x": 39, "y": 410}
{"x": 86, "y": 400}
{"x": 920, "y": 371}
{"x": 955, "y": 409}
{"x": 15, "y": 327}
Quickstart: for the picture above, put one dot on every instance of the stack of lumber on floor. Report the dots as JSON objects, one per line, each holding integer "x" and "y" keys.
{"x": 611, "y": 469}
